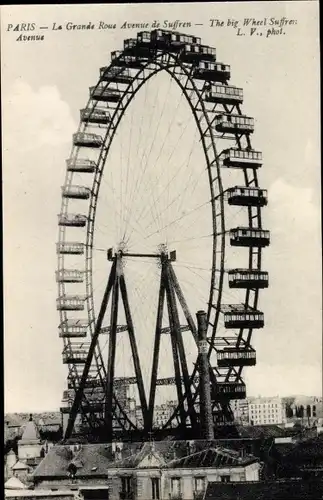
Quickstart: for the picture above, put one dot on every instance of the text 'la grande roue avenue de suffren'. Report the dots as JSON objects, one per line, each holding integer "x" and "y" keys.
{"x": 31, "y": 31}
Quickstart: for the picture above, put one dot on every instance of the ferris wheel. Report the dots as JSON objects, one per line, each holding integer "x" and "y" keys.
{"x": 161, "y": 216}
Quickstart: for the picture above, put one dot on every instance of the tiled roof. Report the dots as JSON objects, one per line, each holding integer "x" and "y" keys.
{"x": 57, "y": 460}
{"x": 14, "y": 420}
{"x": 260, "y": 431}
{"x": 30, "y": 433}
{"x": 146, "y": 450}
{"x": 20, "y": 466}
{"x": 14, "y": 484}
{"x": 20, "y": 419}
{"x": 52, "y": 423}
{"x": 213, "y": 457}
{"x": 50, "y": 420}
{"x": 95, "y": 459}
{"x": 311, "y": 449}
{"x": 284, "y": 448}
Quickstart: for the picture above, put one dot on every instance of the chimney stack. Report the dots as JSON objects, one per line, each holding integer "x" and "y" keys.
{"x": 206, "y": 419}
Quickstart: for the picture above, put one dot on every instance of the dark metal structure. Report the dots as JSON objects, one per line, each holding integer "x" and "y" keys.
{"x": 216, "y": 110}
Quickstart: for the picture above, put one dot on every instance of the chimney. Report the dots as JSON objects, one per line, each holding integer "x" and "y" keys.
{"x": 206, "y": 419}
{"x": 190, "y": 447}
{"x": 118, "y": 453}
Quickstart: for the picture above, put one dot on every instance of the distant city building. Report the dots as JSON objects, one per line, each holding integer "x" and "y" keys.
{"x": 320, "y": 426}
{"x": 263, "y": 411}
{"x": 304, "y": 407}
{"x": 255, "y": 411}
{"x": 10, "y": 460}
{"x": 95, "y": 396}
{"x": 137, "y": 417}
{"x": 31, "y": 450}
{"x": 30, "y": 445}
{"x": 13, "y": 427}
{"x": 26, "y": 444}
{"x": 240, "y": 410}
{"x": 277, "y": 410}
{"x": 48, "y": 424}
{"x": 163, "y": 412}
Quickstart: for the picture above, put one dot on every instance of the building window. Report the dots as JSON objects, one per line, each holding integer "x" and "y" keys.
{"x": 199, "y": 484}
{"x": 72, "y": 469}
{"x": 175, "y": 487}
{"x": 225, "y": 479}
{"x": 155, "y": 488}
{"x": 126, "y": 487}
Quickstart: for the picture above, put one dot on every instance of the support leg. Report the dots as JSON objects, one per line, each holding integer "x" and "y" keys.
{"x": 134, "y": 349}
{"x": 154, "y": 371}
{"x": 79, "y": 393}
{"x": 108, "y": 414}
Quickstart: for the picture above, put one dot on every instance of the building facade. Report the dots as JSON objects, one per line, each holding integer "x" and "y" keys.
{"x": 163, "y": 412}
{"x": 240, "y": 410}
{"x": 31, "y": 450}
{"x": 155, "y": 471}
{"x": 308, "y": 409}
{"x": 30, "y": 445}
{"x": 263, "y": 411}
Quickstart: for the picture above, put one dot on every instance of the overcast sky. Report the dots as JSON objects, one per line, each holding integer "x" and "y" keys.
{"x": 45, "y": 83}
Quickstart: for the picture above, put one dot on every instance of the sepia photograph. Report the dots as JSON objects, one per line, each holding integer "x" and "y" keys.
{"x": 162, "y": 251}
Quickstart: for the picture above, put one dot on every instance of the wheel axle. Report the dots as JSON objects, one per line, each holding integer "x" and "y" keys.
{"x": 171, "y": 256}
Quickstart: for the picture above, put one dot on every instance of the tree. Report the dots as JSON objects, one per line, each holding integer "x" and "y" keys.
{"x": 289, "y": 411}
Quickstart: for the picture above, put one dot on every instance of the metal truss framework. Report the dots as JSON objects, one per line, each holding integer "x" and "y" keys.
{"x": 141, "y": 65}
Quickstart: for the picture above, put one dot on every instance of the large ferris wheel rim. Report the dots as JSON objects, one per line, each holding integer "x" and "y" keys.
{"x": 106, "y": 144}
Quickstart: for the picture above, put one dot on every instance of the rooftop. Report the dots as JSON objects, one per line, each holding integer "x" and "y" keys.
{"x": 14, "y": 420}
{"x": 94, "y": 460}
{"x": 310, "y": 449}
{"x": 264, "y": 400}
{"x": 14, "y": 484}
{"x": 20, "y": 466}
{"x": 215, "y": 457}
{"x": 31, "y": 433}
{"x": 44, "y": 418}
{"x": 260, "y": 431}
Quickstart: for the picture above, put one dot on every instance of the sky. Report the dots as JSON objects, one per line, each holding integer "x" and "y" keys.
{"x": 45, "y": 84}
